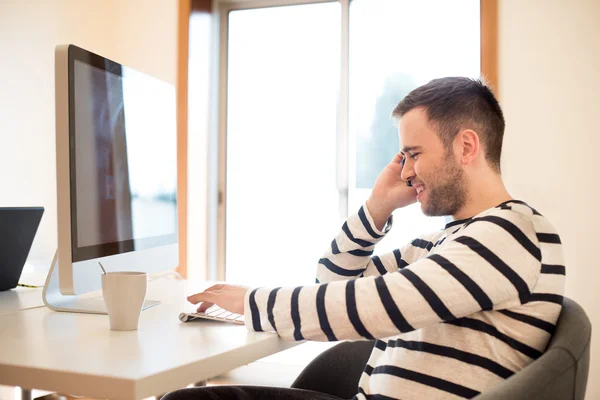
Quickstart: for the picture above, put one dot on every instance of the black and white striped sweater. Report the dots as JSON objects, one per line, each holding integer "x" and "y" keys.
{"x": 455, "y": 312}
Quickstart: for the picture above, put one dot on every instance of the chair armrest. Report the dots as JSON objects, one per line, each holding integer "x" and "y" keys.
{"x": 550, "y": 377}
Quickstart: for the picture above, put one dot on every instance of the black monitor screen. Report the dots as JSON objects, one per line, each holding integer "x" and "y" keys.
{"x": 123, "y": 158}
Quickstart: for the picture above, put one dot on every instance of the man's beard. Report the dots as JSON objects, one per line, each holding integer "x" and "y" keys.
{"x": 448, "y": 197}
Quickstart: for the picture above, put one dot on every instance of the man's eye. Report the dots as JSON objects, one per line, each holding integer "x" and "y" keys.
{"x": 414, "y": 156}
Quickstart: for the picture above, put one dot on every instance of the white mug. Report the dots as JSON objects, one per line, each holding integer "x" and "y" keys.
{"x": 124, "y": 294}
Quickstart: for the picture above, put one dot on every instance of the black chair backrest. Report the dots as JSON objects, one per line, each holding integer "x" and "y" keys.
{"x": 561, "y": 373}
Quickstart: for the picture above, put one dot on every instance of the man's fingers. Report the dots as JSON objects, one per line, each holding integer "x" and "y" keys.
{"x": 398, "y": 158}
{"x": 208, "y": 295}
{"x": 202, "y": 296}
{"x": 215, "y": 288}
{"x": 205, "y": 306}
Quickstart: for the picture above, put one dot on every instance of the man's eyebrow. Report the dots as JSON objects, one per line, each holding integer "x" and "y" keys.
{"x": 409, "y": 148}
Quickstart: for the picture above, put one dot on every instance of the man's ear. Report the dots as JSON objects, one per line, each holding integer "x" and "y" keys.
{"x": 467, "y": 146}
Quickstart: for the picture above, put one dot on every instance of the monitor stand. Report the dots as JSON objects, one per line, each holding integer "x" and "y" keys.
{"x": 57, "y": 301}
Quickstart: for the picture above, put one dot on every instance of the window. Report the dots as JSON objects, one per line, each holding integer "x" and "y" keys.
{"x": 305, "y": 120}
{"x": 396, "y": 46}
{"x": 282, "y": 93}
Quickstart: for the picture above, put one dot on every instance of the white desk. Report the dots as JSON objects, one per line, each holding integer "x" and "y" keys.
{"x": 20, "y": 299}
{"x": 79, "y": 354}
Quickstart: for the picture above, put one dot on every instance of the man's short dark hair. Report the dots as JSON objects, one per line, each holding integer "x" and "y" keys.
{"x": 457, "y": 103}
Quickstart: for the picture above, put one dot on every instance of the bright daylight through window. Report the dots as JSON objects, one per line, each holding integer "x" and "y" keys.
{"x": 283, "y": 97}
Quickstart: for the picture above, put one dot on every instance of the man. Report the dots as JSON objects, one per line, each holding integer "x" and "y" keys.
{"x": 455, "y": 312}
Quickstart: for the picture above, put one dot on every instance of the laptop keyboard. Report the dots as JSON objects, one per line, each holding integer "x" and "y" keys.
{"x": 214, "y": 313}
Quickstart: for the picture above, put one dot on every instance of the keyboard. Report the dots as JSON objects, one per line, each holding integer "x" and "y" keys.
{"x": 214, "y": 313}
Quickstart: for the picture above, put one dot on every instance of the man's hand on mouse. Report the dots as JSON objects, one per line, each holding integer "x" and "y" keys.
{"x": 228, "y": 297}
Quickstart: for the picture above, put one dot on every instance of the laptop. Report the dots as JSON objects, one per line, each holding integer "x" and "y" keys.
{"x": 18, "y": 226}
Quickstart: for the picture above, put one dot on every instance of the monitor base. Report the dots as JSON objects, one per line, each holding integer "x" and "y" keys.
{"x": 55, "y": 300}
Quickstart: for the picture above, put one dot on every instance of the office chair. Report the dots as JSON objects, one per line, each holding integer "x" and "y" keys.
{"x": 559, "y": 374}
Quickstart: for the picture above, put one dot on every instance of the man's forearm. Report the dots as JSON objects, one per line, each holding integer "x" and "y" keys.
{"x": 349, "y": 254}
{"x": 379, "y": 213}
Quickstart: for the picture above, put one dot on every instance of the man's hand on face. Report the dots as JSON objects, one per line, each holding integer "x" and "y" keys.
{"x": 228, "y": 297}
{"x": 390, "y": 192}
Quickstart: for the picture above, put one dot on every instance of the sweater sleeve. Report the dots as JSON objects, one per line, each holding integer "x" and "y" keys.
{"x": 350, "y": 254}
{"x": 493, "y": 263}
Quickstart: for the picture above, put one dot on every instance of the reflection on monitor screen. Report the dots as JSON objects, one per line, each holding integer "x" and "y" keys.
{"x": 125, "y": 165}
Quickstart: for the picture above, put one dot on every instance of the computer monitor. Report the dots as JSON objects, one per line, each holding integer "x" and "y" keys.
{"x": 116, "y": 166}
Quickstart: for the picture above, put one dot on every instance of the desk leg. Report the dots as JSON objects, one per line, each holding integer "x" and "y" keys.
{"x": 26, "y": 394}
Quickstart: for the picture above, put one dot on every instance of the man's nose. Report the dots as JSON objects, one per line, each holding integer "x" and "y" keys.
{"x": 407, "y": 170}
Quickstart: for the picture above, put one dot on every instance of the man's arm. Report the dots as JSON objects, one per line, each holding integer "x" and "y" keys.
{"x": 494, "y": 263}
{"x": 350, "y": 253}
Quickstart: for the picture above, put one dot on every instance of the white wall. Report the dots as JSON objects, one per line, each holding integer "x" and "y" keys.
{"x": 139, "y": 33}
{"x": 549, "y": 76}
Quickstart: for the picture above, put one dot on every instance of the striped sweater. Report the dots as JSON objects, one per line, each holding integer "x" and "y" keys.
{"x": 454, "y": 312}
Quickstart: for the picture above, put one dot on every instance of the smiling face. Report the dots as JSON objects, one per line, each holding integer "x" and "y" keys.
{"x": 432, "y": 169}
